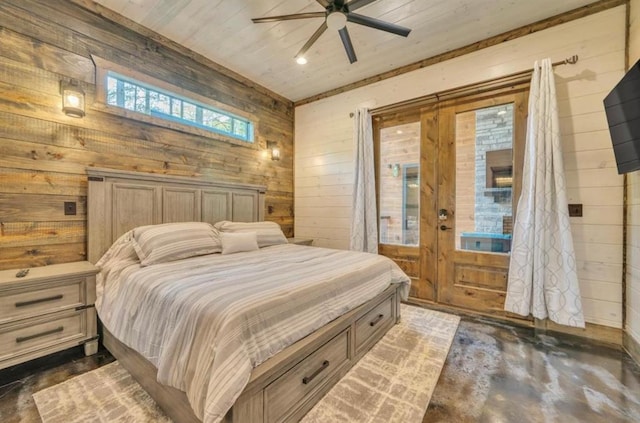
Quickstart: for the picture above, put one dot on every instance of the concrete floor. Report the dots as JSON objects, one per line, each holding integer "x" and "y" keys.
{"x": 19, "y": 382}
{"x": 494, "y": 373}
{"x": 500, "y": 373}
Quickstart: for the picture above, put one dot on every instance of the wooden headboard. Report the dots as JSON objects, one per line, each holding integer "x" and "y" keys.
{"x": 119, "y": 201}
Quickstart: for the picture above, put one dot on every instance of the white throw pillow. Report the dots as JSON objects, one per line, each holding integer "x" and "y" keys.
{"x": 238, "y": 242}
{"x": 268, "y": 233}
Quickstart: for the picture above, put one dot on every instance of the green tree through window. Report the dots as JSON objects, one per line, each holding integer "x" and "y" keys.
{"x": 138, "y": 97}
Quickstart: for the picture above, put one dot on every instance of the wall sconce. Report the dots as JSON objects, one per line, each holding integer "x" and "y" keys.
{"x": 395, "y": 169}
{"x": 275, "y": 150}
{"x": 72, "y": 99}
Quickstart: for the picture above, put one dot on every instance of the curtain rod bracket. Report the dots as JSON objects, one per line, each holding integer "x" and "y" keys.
{"x": 568, "y": 61}
{"x": 571, "y": 60}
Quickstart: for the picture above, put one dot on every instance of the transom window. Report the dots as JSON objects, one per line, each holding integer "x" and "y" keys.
{"x": 136, "y": 96}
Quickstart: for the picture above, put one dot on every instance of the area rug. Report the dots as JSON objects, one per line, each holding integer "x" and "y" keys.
{"x": 392, "y": 383}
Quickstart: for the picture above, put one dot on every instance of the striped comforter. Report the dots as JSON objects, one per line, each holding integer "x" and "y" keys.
{"x": 206, "y": 322}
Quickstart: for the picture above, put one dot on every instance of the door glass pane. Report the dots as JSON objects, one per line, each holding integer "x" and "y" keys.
{"x": 484, "y": 175}
{"x": 400, "y": 184}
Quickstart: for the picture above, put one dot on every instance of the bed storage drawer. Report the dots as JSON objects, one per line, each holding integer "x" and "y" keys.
{"x": 37, "y": 334}
{"x": 305, "y": 378}
{"x": 29, "y": 301}
{"x": 374, "y": 323}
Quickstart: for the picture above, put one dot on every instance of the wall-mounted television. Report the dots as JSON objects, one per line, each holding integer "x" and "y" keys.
{"x": 622, "y": 106}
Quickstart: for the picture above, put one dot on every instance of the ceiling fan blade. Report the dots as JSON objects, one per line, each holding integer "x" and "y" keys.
{"x": 312, "y": 40}
{"x": 290, "y": 17}
{"x": 324, "y": 3}
{"x": 357, "y": 4}
{"x": 348, "y": 47}
{"x": 378, "y": 24}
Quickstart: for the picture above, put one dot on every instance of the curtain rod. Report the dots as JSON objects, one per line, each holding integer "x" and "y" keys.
{"x": 568, "y": 61}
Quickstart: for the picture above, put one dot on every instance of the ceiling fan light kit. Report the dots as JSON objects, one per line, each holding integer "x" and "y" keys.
{"x": 336, "y": 21}
{"x": 336, "y": 15}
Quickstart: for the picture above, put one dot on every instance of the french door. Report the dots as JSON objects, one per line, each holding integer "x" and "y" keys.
{"x": 400, "y": 179}
{"x": 450, "y": 228}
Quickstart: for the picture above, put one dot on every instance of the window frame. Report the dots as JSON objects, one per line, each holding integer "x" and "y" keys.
{"x": 105, "y": 68}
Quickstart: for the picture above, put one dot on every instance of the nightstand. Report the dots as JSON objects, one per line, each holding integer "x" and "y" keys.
{"x": 48, "y": 310}
{"x": 300, "y": 241}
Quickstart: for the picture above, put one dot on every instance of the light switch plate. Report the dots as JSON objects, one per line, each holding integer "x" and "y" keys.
{"x": 575, "y": 210}
{"x": 69, "y": 208}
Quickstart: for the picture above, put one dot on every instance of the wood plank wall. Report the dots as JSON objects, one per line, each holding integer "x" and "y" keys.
{"x": 633, "y": 205}
{"x": 43, "y": 153}
{"x": 324, "y": 147}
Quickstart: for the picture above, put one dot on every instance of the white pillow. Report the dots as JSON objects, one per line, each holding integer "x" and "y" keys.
{"x": 268, "y": 233}
{"x": 174, "y": 241}
{"x": 238, "y": 242}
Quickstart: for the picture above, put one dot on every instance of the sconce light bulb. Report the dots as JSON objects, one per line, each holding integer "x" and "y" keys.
{"x": 73, "y": 100}
{"x": 273, "y": 148}
{"x": 301, "y": 60}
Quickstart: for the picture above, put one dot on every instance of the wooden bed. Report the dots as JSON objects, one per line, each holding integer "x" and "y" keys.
{"x": 286, "y": 386}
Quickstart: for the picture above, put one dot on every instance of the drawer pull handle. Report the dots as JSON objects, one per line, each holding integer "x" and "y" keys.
{"x": 377, "y": 320}
{"x": 39, "y": 300}
{"x": 307, "y": 379}
{"x": 38, "y": 335}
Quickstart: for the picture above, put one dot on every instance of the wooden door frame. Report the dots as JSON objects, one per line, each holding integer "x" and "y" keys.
{"x": 428, "y": 201}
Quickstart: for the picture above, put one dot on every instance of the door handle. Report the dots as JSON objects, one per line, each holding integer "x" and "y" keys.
{"x": 444, "y": 228}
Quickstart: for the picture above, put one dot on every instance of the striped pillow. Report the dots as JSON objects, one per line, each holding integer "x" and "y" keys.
{"x": 269, "y": 233}
{"x": 174, "y": 241}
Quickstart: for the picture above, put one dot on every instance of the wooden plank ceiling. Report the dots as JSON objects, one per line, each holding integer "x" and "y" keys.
{"x": 222, "y": 31}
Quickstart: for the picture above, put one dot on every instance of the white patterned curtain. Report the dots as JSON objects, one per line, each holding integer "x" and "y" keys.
{"x": 364, "y": 217}
{"x": 542, "y": 274}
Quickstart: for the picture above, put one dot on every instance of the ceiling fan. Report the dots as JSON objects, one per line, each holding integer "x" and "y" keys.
{"x": 336, "y": 15}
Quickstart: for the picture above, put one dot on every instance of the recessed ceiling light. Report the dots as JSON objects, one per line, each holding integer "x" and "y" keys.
{"x": 301, "y": 60}
{"x": 399, "y": 131}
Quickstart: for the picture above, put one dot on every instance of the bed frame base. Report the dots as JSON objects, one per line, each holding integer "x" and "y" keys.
{"x": 249, "y": 408}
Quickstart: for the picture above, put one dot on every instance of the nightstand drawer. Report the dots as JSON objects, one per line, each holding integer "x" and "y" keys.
{"x": 29, "y": 301}
{"x": 35, "y": 334}
{"x": 371, "y": 325}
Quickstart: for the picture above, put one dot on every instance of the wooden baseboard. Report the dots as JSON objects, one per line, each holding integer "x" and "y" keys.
{"x": 632, "y": 346}
{"x": 613, "y": 337}
{"x": 600, "y": 333}
{"x": 470, "y": 313}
